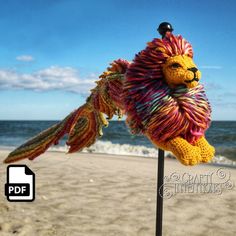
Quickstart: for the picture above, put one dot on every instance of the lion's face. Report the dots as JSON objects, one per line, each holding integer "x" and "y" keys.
{"x": 179, "y": 70}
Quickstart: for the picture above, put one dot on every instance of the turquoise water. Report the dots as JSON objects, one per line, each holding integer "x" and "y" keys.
{"x": 221, "y": 134}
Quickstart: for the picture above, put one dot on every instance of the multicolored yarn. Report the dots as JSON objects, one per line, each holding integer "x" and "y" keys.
{"x": 155, "y": 109}
{"x": 160, "y": 94}
{"x": 84, "y": 125}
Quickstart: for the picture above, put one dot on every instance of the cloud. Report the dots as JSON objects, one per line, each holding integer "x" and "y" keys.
{"x": 212, "y": 86}
{"x": 224, "y": 104}
{"x": 230, "y": 94}
{"x": 25, "y": 58}
{"x": 211, "y": 67}
{"x": 52, "y": 78}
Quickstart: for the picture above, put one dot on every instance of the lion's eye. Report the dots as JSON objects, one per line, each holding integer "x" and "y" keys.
{"x": 175, "y": 65}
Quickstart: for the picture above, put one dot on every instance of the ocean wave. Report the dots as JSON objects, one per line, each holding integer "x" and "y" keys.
{"x": 108, "y": 147}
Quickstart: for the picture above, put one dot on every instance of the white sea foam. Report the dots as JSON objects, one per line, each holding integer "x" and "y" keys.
{"x": 134, "y": 150}
{"x": 117, "y": 149}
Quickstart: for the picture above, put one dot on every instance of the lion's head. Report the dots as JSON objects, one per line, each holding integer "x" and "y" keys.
{"x": 162, "y": 94}
{"x": 174, "y": 58}
{"x": 179, "y": 70}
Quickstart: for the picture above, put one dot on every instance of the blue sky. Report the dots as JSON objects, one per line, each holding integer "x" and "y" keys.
{"x": 51, "y": 51}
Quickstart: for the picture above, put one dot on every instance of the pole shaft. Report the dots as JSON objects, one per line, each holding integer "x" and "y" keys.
{"x": 159, "y": 204}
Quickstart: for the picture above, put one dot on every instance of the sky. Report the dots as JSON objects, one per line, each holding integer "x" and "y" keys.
{"x": 52, "y": 51}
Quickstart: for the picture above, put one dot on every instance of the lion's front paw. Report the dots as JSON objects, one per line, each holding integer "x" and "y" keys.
{"x": 207, "y": 154}
{"x": 207, "y": 151}
{"x": 190, "y": 156}
{"x": 186, "y": 153}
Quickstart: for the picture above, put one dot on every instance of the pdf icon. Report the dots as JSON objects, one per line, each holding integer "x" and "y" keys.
{"x": 20, "y": 186}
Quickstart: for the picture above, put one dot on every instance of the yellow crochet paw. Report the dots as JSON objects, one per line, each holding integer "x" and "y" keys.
{"x": 189, "y": 157}
{"x": 207, "y": 151}
{"x": 186, "y": 153}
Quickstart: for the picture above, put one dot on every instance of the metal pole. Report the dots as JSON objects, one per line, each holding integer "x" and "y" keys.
{"x": 159, "y": 204}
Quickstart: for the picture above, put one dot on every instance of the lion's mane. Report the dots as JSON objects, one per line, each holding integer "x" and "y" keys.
{"x": 152, "y": 107}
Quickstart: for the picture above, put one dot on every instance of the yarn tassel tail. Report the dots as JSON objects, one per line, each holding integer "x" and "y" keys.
{"x": 84, "y": 125}
{"x": 83, "y": 122}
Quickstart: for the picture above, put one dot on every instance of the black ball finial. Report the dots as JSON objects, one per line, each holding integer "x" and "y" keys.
{"x": 164, "y": 27}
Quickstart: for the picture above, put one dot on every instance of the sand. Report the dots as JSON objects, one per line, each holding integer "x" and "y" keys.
{"x": 108, "y": 195}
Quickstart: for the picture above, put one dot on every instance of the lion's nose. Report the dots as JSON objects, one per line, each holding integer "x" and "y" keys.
{"x": 193, "y": 69}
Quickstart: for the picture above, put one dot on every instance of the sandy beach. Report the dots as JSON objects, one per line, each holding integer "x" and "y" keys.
{"x": 95, "y": 194}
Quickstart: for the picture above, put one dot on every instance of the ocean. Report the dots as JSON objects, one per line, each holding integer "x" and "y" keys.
{"x": 118, "y": 140}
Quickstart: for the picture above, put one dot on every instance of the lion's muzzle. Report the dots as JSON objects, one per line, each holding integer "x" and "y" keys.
{"x": 192, "y": 77}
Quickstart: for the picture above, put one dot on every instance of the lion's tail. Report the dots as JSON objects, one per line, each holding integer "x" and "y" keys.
{"x": 82, "y": 126}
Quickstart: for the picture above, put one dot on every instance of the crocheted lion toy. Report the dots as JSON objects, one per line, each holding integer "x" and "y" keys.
{"x": 160, "y": 94}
